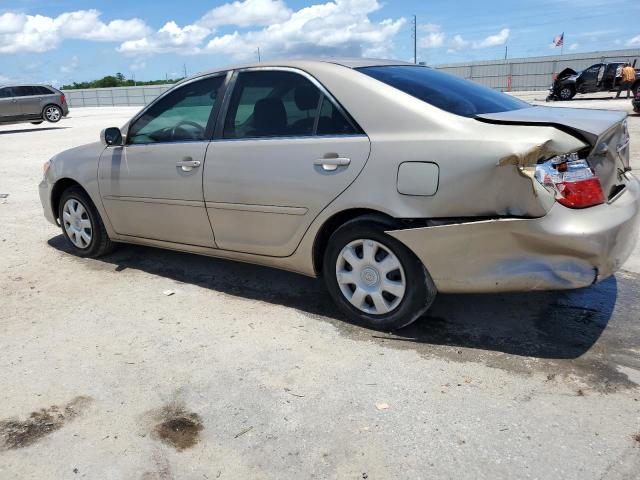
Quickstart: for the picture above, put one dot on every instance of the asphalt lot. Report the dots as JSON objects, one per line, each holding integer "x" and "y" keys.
{"x": 248, "y": 372}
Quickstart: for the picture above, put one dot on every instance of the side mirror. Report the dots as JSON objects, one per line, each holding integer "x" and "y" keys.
{"x": 111, "y": 137}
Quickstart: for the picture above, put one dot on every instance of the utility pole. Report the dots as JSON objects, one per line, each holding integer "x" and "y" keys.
{"x": 506, "y": 50}
{"x": 259, "y": 59}
{"x": 415, "y": 39}
{"x": 184, "y": 67}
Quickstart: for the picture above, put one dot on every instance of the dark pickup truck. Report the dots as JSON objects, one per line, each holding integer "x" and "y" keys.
{"x": 600, "y": 77}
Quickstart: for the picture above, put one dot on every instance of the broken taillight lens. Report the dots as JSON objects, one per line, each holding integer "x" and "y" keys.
{"x": 571, "y": 180}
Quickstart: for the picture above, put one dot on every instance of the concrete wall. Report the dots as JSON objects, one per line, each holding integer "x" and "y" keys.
{"x": 534, "y": 73}
{"x": 514, "y": 74}
{"x": 109, "y": 97}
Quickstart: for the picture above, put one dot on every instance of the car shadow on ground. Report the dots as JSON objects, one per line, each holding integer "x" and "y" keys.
{"x": 28, "y": 130}
{"x": 555, "y": 325}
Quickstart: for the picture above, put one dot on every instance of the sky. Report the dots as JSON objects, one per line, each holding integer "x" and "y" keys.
{"x": 58, "y": 42}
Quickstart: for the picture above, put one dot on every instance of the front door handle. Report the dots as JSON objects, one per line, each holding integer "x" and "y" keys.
{"x": 331, "y": 164}
{"x": 187, "y": 164}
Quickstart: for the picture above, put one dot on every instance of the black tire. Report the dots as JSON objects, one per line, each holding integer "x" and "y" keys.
{"x": 566, "y": 93}
{"x": 100, "y": 243}
{"x": 420, "y": 290}
{"x": 50, "y": 117}
{"x": 37, "y": 123}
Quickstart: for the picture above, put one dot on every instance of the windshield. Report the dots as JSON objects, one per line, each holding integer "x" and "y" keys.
{"x": 447, "y": 92}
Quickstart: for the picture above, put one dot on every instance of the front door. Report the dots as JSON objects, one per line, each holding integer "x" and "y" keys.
{"x": 590, "y": 78}
{"x": 152, "y": 186}
{"x": 286, "y": 151}
{"x": 29, "y": 101}
{"x": 9, "y": 105}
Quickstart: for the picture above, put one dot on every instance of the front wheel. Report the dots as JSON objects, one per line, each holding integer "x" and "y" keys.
{"x": 81, "y": 224}
{"x": 566, "y": 93}
{"x": 52, "y": 113}
{"x": 376, "y": 280}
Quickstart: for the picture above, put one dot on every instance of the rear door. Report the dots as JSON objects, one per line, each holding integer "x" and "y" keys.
{"x": 29, "y": 100}
{"x": 286, "y": 149}
{"x": 152, "y": 186}
{"x": 9, "y": 105}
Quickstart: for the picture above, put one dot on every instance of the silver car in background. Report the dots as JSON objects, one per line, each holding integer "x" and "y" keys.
{"x": 392, "y": 181}
{"x": 31, "y": 103}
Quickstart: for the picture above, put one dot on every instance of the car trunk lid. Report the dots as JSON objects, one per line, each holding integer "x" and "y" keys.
{"x": 604, "y": 131}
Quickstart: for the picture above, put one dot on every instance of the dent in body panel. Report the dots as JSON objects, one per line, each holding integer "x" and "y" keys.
{"x": 565, "y": 249}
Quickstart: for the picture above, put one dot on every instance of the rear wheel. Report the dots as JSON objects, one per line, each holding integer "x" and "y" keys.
{"x": 377, "y": 281}
{"x": 81, "y": 224}
{"x": 52, "y": 113}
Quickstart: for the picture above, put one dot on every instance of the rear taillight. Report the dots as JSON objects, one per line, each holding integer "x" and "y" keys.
{"x": 571, "y": 180}
{"x": 62, "y": 98}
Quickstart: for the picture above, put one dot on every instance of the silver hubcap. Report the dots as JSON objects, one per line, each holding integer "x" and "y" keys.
{"x": 52, "y": 114}
{"x": 370, "y": 276}
{"x": 75, "y": 220}
{"x": 565, "y": 93}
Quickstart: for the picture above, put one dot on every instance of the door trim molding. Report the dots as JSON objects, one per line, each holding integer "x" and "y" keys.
{"x": 243, "y": 207}
{"x": 165, "y": 201}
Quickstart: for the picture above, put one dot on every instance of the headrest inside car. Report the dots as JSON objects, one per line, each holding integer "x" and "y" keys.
{"x": 306, "y": 97}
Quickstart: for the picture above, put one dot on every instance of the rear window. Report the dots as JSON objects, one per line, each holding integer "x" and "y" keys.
{"x": 447, "y": 92}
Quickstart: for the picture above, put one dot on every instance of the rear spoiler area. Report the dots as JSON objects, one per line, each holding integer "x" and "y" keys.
{"x": 587, "y": 125}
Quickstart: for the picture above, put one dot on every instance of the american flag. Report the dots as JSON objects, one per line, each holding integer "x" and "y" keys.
{"x": 559, "y": 40}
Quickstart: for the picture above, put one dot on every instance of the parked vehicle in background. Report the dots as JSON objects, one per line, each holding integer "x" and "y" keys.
{"x": 31, "y": 103}
{"x": 393, "y": 181}
{"x": 601, "y": 77}
{"x": 636, "y": 103}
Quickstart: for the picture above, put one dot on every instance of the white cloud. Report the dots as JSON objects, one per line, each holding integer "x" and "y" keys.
{"x": 494, "y": 40}
{"x": 247, "y": 13}
{"x": 39, "y": 33}
{"x": 574, "y": 46}
{"x": 458, "y": 43}
{"x": 170, "y": 38}
{"x": 340, "y": 27}
{"x": 434, "y": 37}
{"x": 632, "y": 42}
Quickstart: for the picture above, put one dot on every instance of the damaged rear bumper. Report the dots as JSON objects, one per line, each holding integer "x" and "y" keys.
{"x": 565, "y": 249}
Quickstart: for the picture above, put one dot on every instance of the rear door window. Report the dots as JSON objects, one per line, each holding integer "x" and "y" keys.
{"x": 447, "y": 92}
{"x": 332, "y": 122}
{"x": 25, "y": 91}
{"x": 276, "y": 103}
{"x": 6, "y": 92}
{"x": 271, "y": 104}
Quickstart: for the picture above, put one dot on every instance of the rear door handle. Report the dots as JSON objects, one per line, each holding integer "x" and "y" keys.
{"x": 331, "y": 164}
{"x": 187, "y": 164}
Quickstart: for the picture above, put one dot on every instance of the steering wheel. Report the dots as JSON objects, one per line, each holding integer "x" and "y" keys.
{"x": 198, "y": 127}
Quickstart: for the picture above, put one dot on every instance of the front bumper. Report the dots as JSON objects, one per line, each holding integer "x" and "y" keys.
{"x": 44, "y": 189}
{"x": 565, "y": 249}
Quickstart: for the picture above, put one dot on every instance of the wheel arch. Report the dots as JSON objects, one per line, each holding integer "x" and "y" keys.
{"x": 336, "y": 221}
{"x": 58, "y": 188}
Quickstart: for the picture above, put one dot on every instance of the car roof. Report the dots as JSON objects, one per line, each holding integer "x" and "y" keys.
{"x": 305, "y": 63}
{"x": 2, "y": 85}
